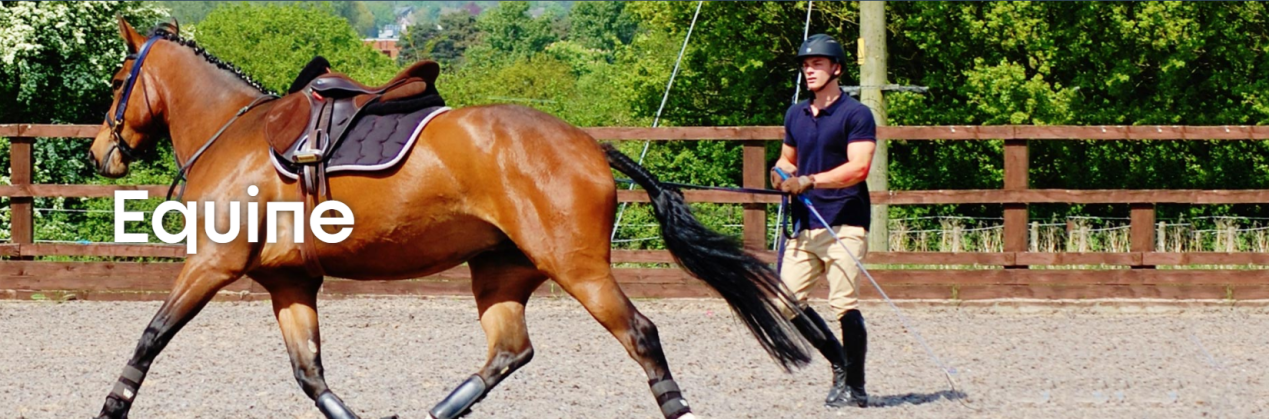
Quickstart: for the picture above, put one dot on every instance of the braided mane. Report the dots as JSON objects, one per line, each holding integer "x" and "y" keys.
{"x": 168, "y": 31}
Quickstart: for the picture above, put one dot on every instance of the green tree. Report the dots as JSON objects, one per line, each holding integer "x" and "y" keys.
{"x": 273, "y": 43}
{"x": 601, "y": 25}
{"x": 56, "y": 59}
{"x": 1083, "y": 64}
{"x": 384, "y": 13}
{"x": 189, "y": 11}
{"x": 737, "y": 70}
{"x": 357, "y": 15}
{"x": 739, "y": 67}
{"x": 445, "y": 41}
{"x": 510, "y": 32}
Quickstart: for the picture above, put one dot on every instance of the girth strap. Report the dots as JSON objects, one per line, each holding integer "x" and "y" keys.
{"x": 308, "y": 249}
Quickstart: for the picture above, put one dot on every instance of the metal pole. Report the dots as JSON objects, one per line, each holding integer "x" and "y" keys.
{"x": 657, "y": 120}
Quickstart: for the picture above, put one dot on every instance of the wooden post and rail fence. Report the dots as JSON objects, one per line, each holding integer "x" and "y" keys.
{"x": 1016, "y": 272}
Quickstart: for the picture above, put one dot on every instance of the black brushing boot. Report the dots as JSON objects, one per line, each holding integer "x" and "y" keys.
{"x": 813, "y": 328}
{"x": 855, "y": 345}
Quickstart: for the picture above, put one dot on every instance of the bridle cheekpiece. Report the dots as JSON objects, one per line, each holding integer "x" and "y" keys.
{"x": 116, "y": 122}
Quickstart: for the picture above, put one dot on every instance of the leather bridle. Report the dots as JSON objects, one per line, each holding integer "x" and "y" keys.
{"x": 116, "y": 122}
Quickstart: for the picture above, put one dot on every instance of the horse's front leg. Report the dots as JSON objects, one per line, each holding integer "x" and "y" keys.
{"x": 198, "y": 282}
{"x": 295, "y": 306}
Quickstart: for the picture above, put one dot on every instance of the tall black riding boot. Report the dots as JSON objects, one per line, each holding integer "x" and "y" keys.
{"x": 813, "y": 328}
{"x": 855, "y": 345}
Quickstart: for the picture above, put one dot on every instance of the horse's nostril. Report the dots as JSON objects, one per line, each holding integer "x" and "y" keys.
{"x": 91, "y": 157}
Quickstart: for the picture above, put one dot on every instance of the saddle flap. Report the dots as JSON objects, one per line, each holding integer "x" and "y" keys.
{"x": 286, "y": 121}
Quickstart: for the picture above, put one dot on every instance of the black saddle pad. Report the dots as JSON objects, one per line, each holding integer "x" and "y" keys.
{"x": 374, "y": 142}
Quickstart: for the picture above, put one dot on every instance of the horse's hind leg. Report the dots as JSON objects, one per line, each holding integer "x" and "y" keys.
{"x": 577, "y": 258}
{"x": 295, "y": 306}
{"x": 592, "y": 284}
{"x": 194, "y": 288}
{"x": 502, "y": 282}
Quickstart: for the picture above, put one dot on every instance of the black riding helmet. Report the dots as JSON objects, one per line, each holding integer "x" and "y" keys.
{"x": 822, "y": 45}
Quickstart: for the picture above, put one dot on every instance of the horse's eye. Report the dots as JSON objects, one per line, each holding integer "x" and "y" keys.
{"x": 116, "y": 84}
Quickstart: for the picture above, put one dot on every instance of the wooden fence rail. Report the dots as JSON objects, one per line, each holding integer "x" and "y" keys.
{"x": 1015, "y": 272}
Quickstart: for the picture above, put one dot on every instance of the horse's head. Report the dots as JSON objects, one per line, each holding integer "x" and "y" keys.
{"x": 135, "y": 115}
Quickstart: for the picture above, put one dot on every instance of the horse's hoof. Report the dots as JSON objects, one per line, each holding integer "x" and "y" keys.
{"x": 396, "y": 417}
{"x": 688, "y": 416}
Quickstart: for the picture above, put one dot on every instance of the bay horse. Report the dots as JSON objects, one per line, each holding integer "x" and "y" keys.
{"x": 519, "y": 195}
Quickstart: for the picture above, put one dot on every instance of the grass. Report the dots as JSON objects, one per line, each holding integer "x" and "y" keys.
{"x": 1079, "y": 234}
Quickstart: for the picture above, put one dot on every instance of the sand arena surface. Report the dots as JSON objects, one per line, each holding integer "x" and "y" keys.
{"x": 402, "y": 355}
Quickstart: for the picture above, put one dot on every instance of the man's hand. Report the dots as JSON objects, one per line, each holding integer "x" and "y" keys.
{"x": 797, "y": 185}
{"x": 777, "y": 180}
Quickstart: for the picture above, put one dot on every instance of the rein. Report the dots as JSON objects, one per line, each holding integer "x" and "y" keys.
{"x": 784, "y": 204}
{"x": 714, "y": 188}
{"x": 184, "y": 170}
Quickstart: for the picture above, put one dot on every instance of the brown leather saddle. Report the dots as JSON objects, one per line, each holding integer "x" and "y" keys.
{"x": 305, "y": 127}
{"x": 321, "y": 112}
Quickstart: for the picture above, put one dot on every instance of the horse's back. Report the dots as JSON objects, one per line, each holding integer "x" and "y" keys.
{"x": 515, "y": 126}
{"x": 521, "y": 147}
{"x": 476, "y": 178}
{"x": 537, "y": 178}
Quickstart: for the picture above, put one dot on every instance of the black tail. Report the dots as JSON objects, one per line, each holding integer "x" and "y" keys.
{"x": 752, "y": 289}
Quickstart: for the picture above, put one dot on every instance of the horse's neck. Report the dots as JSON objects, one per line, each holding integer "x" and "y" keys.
{"x": 201, "y": 103}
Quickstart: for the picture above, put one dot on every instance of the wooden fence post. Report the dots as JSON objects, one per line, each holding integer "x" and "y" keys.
{"x": 1035, "y": 236}
{"x": 1141, "y": 230}
{"x": 21, "y": 210}
{"x": 754, "y": 175}
{"x": 1017, "y": 164}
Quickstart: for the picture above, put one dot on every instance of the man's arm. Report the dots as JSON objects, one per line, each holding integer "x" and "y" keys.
{"x": 788, "y": 155}
{"x": 854, "y": 171}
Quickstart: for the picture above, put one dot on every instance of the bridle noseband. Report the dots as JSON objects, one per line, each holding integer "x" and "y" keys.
{"x": 116, "y": 123}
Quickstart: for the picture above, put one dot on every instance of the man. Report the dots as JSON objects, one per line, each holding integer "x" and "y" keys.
{"x": 827, "y": 151}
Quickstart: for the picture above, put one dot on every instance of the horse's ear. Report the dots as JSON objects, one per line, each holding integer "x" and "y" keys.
{"x": 130, "y": 36}
{"x": 176, "y": 27}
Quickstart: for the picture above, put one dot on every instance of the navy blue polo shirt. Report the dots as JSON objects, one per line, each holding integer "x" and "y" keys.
{"x": 821, "y": 146}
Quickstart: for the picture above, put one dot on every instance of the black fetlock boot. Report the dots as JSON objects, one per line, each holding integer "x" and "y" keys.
{"x": 813, "y": 328}
{"x": 855, "y": 345}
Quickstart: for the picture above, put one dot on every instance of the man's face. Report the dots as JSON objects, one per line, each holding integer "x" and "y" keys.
{"x": 817, "y": 71}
